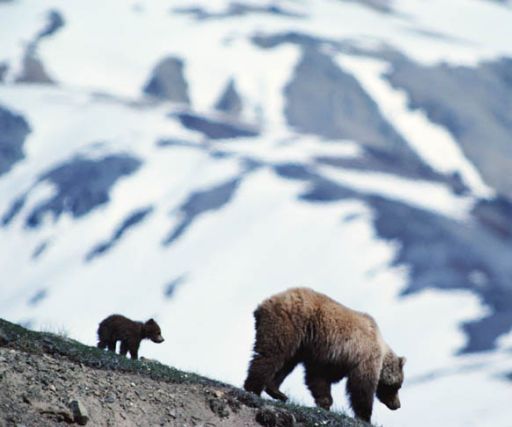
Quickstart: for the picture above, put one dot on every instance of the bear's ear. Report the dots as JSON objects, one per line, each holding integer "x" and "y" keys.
{"x": 401, "y": 361}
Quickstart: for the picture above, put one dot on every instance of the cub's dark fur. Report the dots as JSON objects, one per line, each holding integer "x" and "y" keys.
{"x": 119, "y": 328}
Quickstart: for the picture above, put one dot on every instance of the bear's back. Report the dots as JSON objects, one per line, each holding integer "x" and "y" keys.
{"x": 332, "y": 326}
{"x": 117, "y": 326}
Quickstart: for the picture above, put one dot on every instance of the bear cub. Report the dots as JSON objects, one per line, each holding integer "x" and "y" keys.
{"x": 119, "y": 328}
{"x": 332, "y": 341}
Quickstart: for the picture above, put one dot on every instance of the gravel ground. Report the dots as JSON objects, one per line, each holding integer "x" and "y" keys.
{"x": 48, "y": 380}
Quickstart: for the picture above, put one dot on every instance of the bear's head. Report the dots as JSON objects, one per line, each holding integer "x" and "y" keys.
{"x": 152, "y": 331}
{"x": 391, "y": 379}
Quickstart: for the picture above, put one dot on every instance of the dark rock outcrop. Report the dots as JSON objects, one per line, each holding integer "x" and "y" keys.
{"x": 474, "y": 104}
{"x": 3, "y": 71}
{"x": 173, "y": 285}
{"x": 81, "y": 185}
{"x": 167, "y": 81}
{"x": 33, "y": 70}
{"x": 383, "y": 6}
{"x": 324, "y": 100}
{"x": 236, "y": 10}
{"x": 447, "y": 254}
{"x": 216, "y": 129}
{"x": 496, "y": 214}
{"x": 201, "y": 202}
{"x": 230, "y": 101}
{"x": 128, "y": 223}
{"x": 13, "y": 132}
{"x": 54, "y": 22}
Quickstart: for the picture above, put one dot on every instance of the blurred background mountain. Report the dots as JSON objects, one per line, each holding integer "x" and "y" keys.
{"x": 185, "y": 159}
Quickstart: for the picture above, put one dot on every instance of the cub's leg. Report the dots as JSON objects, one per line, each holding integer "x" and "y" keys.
{"x": 124, "y": 348}
{"x": 133, "y": 347}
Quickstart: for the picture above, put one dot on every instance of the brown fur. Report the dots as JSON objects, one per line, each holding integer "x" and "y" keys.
{"x": 332, "y": 341}
{"x": 119, "y": 328}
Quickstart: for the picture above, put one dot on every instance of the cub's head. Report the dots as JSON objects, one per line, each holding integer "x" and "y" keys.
{"x": 152, "y": 331}
{"x": 391, "y": 379}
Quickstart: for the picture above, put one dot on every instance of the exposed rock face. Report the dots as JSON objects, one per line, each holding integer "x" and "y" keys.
{"x": 33, "y": 70}
{"x": 236, "y": 9}
{"x": 216, "y": 129}
{"x": 55, "y": 21}
{"x": 269, "y": 41}
{"x": 201, "y": 202}
{"x": 448, "y": 254}
{"x": 171, "y": 287}
{"x": 3, "y": 71}
{"x": 440, "y": 252}
{"x": 465, "y": 100}
{"x": 13, "y": 132}
{"x": 81, "y": 185}
{"x": 337, "y": 107}
{"x": 384, "y": 6}
{"x": 129, "y": 222}
{"x": 230, "y": 101}
{"x": 496, "y": 215}
{"x": 167, "y": 81}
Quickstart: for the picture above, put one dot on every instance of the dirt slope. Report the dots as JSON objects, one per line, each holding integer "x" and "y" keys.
{"x": 47, "y": 380}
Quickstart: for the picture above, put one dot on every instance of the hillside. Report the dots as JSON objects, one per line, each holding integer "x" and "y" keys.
{"x": 183, "y": 160}
{"x": 46, "y": 379}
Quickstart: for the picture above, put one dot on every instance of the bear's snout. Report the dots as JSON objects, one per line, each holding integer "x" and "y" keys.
{"x": 159, "y": 339}
{"x": 393, "y": 404}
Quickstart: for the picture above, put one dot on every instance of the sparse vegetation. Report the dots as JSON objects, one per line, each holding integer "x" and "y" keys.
{"x": 220, "y": 398}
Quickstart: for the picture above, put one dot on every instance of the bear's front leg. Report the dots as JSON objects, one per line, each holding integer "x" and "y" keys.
{"x": 124, "y": 348}
{"x": 361, "y": 388}
{"x": 319, "y": 386}
{"x": 133, "y": 348}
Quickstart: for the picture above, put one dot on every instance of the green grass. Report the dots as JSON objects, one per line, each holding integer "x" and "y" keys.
{"x": 15, "y": 336}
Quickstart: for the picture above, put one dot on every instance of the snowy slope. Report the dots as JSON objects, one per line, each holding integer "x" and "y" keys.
{"x": 138, "y": 192}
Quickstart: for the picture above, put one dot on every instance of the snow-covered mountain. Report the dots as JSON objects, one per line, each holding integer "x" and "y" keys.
{"x": 186, "y": 159}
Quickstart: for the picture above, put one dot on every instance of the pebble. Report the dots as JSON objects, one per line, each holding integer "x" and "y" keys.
{"x": 110, "y": 398}
{"x": 80, "y": 414}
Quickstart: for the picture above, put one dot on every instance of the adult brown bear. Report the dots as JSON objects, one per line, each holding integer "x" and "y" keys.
{"x": 119, "y": 328}
{"x": 332, "y": 341}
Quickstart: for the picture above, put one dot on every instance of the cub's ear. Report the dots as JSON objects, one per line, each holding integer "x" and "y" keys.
{"x": 401, "y": 361}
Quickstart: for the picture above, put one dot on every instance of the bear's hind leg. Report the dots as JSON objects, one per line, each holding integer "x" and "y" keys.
{"x": 112, "y": 345}
{"x": 275, "y": 393}
{"x": 361, "y": 387}
{"x": 255, "y": 381}
{"x": 273, "y": 388}
{"x": 124, "y": 348}
{"x": 102, "y": 345}
{"x": 262, "y": 371}
{"x": 319, "y": 386}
